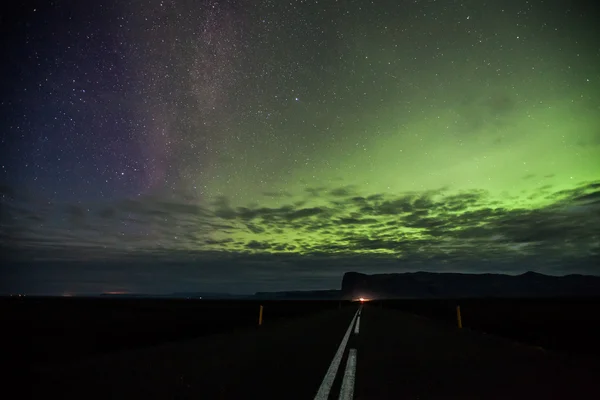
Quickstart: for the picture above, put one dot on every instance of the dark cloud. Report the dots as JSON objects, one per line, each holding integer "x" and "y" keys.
{"x": 315, "y": 191}
{"x": 107, "y": 213}
{"x": 343, "y": 191}
{"x": 266, "y": 214}
{"x": 152, "y": 206}
{"x": 304, "y": 213}
{"x": 390, "y": 207}
{"x": 277, "y": 194}
{"x": 375, "y": 197}
{"x": 591, "y": 198}
{"x": 476, "y": 112}
{"x": 180, "y": 208}
{"x": 592, "y": 141}
{"x": 217, "y": 242}
{"x": 75, "y": 214}
{"x": 7, "y": 192}
{"x": 500, "y": 104}
{"x": 431, "y": 227}
{"x": 222, "y": 208}
{"x": 255, "y": 228}
{"x": 356, "y": 221}
{"x": 256, "y": 245}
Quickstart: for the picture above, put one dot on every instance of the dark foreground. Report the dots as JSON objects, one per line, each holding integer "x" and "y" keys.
{"x": 398, "y": 356}
{"x": 562, "y": 324}
{"x": 55, "y": 329}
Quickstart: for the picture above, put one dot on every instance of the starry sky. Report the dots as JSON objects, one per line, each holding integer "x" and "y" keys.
{"x": 175, "y": 145}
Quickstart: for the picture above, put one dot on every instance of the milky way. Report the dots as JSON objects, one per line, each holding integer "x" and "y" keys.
{"x": 291, "y": 141}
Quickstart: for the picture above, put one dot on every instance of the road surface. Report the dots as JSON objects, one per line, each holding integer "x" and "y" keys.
{"x": 352, "y": 353}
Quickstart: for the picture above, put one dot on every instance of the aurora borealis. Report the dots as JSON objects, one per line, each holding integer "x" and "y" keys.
{"x": 274, "y": 145}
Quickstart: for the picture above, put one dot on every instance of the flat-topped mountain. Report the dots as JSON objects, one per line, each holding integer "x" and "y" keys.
{"x": 452, "y": 285}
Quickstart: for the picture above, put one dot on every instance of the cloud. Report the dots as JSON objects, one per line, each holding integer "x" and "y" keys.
{"x": 277, "y": 195}
{"x": 107, "y": 213}
{"x": 439, "y": 226}
{"x": 315, "y": 191}
{"x": 356, "y": 221}
{"x": 76, "y": 215}
{"x": 6, "y": 191}
{"x": 256, "y": 245}
{"x": 477, "y": 112}
{"x": 255, "y": 228}
{"x": 343, "y": 191}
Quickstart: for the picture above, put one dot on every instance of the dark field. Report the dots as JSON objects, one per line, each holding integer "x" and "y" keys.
{"x": 54, "y": 330}
{"x": 569, "y": 325}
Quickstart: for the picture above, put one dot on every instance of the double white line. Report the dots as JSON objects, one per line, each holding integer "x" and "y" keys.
{"x": 347, "y": 390}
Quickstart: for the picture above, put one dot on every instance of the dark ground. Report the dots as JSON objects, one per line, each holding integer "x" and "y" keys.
{"x": 402, "y": 356}
{"x": 63, "y": 329}
{"x": 109, "y": 348}
{"x": 561, "y": 324}
{"x": 284, "y": 360}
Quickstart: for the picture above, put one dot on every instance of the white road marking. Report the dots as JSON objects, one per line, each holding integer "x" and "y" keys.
{"x": 357, "y": 326}
{"x": 325, "y": 388}
{"x": 347, "y": 390}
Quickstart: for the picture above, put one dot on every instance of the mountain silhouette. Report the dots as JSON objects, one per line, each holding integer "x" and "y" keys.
{"x": 452, "y": 285}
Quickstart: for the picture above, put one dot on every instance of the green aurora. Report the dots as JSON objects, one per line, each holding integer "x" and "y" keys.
{"x": 410, "y": 135}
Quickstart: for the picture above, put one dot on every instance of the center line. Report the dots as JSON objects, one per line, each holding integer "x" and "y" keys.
{"x": 347, "y": 390}
{"x": 325, "y": 388}
{"x": 357, "y": 326}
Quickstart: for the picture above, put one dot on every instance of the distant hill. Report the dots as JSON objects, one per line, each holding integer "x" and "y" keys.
{"x": 290, "y": 295}
{"x": 179, "y": 295}
{"x": 300, "y": 295}
{"x": 454, "y": 285}
{"x": 417, "y": 285}
{"x": 207, "y": 295}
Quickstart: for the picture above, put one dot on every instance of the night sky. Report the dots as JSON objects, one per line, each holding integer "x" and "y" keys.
{"x": 163, "y": 146}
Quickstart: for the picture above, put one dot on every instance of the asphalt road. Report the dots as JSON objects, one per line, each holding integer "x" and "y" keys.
{"x": 352, "y": 353}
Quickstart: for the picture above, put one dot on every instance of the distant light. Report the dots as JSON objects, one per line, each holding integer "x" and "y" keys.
{"x": 361, "y": 299}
